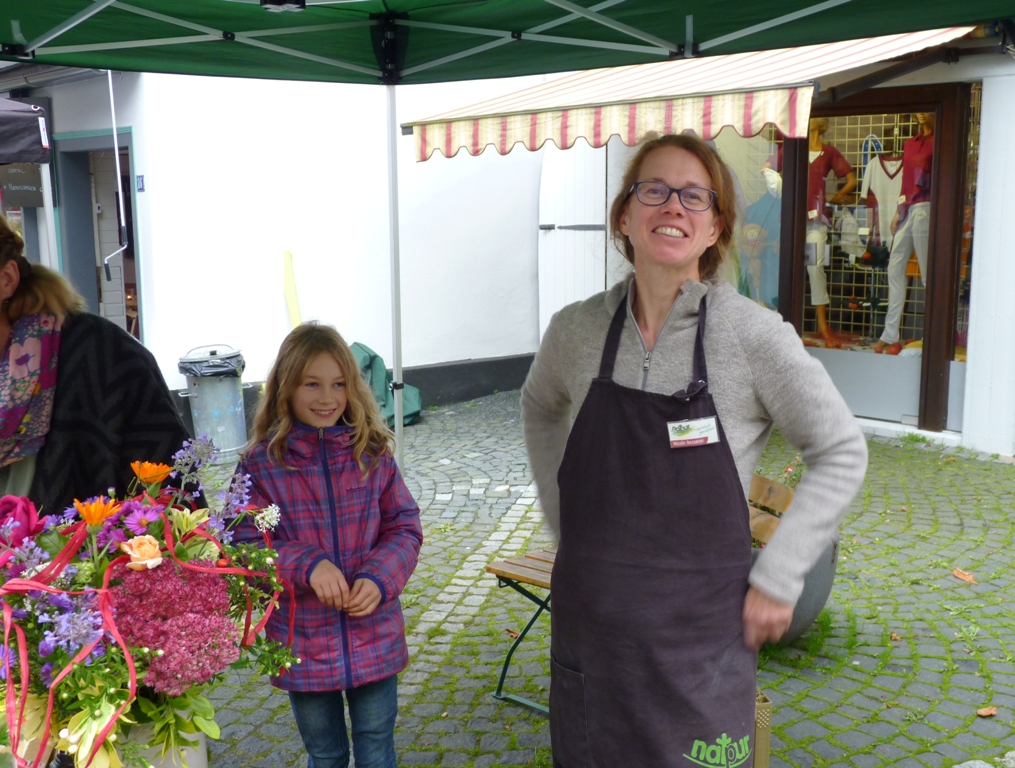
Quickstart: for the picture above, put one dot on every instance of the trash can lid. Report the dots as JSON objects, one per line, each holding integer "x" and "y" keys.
{"x": 215, "y": 360}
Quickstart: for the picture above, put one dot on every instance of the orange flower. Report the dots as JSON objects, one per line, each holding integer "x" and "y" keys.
{"x": 149, "y": 473}
{"x": 94, "y": 511}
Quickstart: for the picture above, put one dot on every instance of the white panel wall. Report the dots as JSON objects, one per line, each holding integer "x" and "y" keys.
{"x": 237, "y": 171}
{"x": 989, "y": 416}
{"x": 572, "y": 192}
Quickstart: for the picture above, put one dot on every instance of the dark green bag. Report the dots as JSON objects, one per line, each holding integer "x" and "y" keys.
{"x": 377, "y": 377}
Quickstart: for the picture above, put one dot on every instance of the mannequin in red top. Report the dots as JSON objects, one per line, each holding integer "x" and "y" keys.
{"x": 823, "y": 158}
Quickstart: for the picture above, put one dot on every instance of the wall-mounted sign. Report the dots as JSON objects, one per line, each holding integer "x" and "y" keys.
{"x": 21, "y": 185}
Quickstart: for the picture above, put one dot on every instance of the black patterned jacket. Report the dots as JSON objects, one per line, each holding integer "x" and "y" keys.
{"x": 111, "y": 407}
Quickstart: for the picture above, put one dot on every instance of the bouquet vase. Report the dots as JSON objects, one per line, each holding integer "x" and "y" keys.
{"x": 191, "y": 757}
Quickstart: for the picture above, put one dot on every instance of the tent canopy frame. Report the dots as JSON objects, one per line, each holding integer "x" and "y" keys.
{"x": 656, "y": 46}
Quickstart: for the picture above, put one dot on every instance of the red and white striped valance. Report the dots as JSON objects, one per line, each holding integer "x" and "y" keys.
{"x": 747, "y": 112}
{"x": 744, "y": 91}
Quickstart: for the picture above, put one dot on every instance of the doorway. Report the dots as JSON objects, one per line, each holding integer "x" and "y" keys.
{"x": 89, "y": 213}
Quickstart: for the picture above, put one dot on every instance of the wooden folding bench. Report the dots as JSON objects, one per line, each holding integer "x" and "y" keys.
{"x": 532, "y": 569}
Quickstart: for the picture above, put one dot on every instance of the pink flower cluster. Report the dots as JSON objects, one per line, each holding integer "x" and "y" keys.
{"x": 184, "y": 614}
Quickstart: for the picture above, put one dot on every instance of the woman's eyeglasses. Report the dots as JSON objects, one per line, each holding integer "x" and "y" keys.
{"x": 656, "y": 193}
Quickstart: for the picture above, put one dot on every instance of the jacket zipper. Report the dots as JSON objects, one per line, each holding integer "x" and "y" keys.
{"x": 646, "y": 364}
{"x": 346, "y": 644}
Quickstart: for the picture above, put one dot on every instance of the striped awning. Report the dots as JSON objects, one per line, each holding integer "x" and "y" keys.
{"x": 743, "y": 91}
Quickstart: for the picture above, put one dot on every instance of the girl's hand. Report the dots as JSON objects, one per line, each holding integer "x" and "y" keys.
{"x": 765, "y": 620}
{"x": 329, "y": 585}
{"x": 365, "y": 598}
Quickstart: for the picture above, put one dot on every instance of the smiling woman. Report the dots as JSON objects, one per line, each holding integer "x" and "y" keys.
{"x": 644, "y": 424}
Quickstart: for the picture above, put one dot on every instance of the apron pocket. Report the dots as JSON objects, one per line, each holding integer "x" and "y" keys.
{"x": 569, "y": 732}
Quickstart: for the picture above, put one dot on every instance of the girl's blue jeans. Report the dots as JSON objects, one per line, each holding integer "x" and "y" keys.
{"x": 372, "y": 709}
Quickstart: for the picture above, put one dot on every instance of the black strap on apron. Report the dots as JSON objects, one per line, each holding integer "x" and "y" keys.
{"x": 699, "y": 377}
{"x": 649, "y": 668}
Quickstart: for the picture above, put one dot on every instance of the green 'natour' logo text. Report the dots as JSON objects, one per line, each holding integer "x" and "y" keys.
{"x": 725, "y": 753}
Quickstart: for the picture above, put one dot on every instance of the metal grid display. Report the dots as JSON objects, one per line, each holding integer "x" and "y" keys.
{"x": 859, "y": 293}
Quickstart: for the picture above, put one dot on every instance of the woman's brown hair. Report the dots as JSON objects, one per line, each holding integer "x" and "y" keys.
{"x": 39, "y": 289}
{"x": 722, "y": 183}
{"x": 274, "y": 420}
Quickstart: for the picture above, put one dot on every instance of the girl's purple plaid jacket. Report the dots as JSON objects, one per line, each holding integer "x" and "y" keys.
{"x": 368, "y": 527}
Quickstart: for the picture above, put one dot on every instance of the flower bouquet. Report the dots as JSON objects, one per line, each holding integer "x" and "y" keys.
{"x": 117, "y": 614}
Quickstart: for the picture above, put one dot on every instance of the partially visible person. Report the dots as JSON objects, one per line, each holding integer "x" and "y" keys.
{"x": 80, "y": 398}
{"x": 348, "y": 540}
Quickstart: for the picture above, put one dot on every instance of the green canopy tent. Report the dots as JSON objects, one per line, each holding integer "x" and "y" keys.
{"x": 420, "y": 41}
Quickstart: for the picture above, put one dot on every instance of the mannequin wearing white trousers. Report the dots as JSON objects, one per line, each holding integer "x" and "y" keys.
{"x": 817, "y": 235}
{"x": 913, "y": 235}
{"x": 911, "y": 226}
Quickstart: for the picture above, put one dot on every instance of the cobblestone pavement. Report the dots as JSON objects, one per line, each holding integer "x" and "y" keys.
{"x": 892, "y": 673}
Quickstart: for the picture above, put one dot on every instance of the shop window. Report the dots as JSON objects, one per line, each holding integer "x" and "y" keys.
{"x": 847, "y": 297}
{"x": 753, "y": 264}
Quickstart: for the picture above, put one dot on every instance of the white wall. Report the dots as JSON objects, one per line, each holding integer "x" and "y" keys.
{"x": 989, "y": 414}
{"x": 469, "y": 229}
{"x": 238, "y": 171}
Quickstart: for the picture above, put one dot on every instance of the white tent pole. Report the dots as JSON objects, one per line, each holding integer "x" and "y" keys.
{"x": 53, "y": 255}
{"x": 396, "y": 288}
{"x": 119, "y": 181}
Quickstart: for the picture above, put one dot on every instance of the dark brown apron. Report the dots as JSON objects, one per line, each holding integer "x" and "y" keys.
{"x": 649, "y": 666}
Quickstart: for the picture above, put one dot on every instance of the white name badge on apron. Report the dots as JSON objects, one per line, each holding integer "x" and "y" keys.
{"x": 694, "y": 432}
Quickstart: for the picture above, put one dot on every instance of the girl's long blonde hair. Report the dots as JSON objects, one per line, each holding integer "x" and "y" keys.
{"x": 274, "y": 420}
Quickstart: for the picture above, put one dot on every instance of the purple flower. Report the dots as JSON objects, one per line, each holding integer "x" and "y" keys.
{"x": 20, "y": 614}
{"x": 46, "y": 674}
{"x": 194, "y": 455}
{"x": 137, "y": 522}
{"x": 30, "y": 555}
{"x": 7, "y": 529}
{"x": 5, "y": 655}
{"x": 112, "y": 537}
{"x": 216, "y": 526}
{"x": 73, "y": 629}
{"x": 63, "y": 602}
{"x": 236, "y": 497}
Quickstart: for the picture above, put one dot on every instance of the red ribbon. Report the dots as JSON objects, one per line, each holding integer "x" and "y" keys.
{"x": 15, "y": 703}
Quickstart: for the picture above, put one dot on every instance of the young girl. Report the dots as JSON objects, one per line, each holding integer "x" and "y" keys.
{"x": 348, "y": 540}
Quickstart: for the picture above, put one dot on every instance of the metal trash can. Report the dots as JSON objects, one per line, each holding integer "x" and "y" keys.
{"x": 215, "y": 390}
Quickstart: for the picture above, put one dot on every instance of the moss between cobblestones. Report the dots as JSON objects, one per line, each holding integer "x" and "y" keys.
{"x": 891, "y": 675}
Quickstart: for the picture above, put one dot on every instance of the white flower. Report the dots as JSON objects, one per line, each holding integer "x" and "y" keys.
{"x": 266, "y": 519}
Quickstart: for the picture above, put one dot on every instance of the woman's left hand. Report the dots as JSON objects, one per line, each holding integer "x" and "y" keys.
{"x": 364, "y": 598}
{"x": 765, "y": 620}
